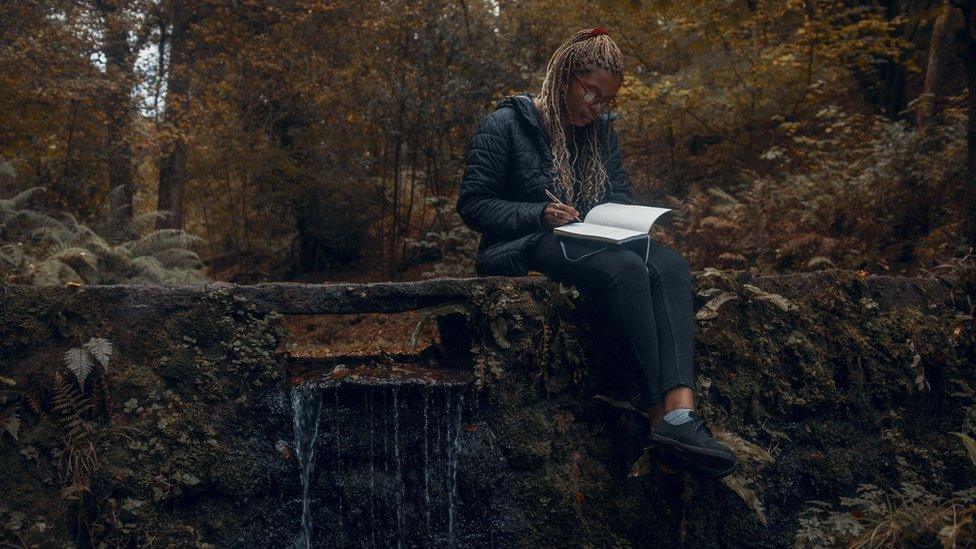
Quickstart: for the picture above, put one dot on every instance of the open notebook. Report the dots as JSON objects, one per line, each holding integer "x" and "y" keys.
{"x": 618, "y": 224}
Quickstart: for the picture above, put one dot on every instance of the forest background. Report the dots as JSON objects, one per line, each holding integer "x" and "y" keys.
{"x": 315, "y": 140}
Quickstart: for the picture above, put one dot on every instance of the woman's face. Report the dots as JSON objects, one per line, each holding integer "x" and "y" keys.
{"x": 603, "y": 83}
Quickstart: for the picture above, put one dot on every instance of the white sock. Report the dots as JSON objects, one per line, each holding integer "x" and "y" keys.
{"x": 678, "y": 416}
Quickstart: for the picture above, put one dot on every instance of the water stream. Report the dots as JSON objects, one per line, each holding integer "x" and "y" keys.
{"x": 389, "y": 475}
{"x": 306, "y": 407}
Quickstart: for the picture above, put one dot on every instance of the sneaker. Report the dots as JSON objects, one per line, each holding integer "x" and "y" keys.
{"x": 693, "y": 443}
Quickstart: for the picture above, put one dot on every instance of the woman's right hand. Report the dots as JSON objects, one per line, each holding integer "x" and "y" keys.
{"x": 557, "y": 214}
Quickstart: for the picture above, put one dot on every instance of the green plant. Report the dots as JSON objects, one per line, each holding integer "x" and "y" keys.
{"x": 909, "y": 516}
{"x": 43, "y": 248}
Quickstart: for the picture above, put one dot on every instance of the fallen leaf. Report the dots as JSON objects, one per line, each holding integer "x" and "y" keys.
{"x": 710, "y": 309}
{"x": 738, "y": 485}
{"x": 622, "y": 404}
{"x": 741, "y": 446}
{"x": 778, "y": 300}
{"x": 499, "y": 330}
{"x": 775, "y": 299}
{"x": 969, "y": 443}
{"x": 712, "y": 271}
{"x": 642, "y": 466}
{"x": 666, "y": 468}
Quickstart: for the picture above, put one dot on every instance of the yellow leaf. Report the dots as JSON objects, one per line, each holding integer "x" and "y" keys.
{"x": 642, "y": 466}
{"x": 737, "y": 484}
{"x": 969, "y": 443}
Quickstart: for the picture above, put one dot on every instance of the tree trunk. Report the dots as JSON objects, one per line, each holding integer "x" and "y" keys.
{"x": 172, "y": 169}
{"x": 413, "y": 183}
{"x": 395, "y": 207}
{"x": 969, "y": 55}
{"x": 926, "y": 105}
{"x": 118, "y": 105}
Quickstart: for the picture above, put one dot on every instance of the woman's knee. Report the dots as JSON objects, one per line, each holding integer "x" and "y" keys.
{"x": 669, "y": 264}
{"x": 623, "y": 265}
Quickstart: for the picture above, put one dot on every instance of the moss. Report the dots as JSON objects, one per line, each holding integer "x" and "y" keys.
{"x": 187, "y": 445}
{"x": 165, "y": 443}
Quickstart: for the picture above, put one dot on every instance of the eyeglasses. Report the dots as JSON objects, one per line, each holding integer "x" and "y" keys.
{"x": 591, "y": 97}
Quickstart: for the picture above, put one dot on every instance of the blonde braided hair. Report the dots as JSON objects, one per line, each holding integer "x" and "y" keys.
{"x": 578, "y": 54}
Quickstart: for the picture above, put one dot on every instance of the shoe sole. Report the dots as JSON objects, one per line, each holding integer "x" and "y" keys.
{"x": 685, "y": 449}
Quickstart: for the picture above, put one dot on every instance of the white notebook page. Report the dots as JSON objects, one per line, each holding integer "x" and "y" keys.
{"x": 625, "y": 216}
{"x": 615, "y": 233}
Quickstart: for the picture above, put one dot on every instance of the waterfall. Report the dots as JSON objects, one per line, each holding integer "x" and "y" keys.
{"x": 452, "y": 466}
{"x": 401, "y": 491}
{"x": 399, "y": 468}
{"x": 372, "y": 481}
{"x": 339, "y": 531}
{"x": 306, "y": 405}
{"x": 426, "y": 462}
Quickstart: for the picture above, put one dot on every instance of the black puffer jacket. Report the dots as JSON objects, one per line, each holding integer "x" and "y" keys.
{"x": 508, "y": 164}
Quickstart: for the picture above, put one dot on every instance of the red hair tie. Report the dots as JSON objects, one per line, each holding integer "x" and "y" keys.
{"x": 597, "y": 32}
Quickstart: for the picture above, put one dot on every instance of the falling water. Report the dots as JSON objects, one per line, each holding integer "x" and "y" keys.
{"x": 405, "y": 489}
{"x": 386, "y": 448}
{"x": 306, "y": 408}
{"x": 372, "y": 483}
{"x": 399, "y": 470}
{"x": 426, "y": 463}
{"x": 340, "y": 531}
{"x": 452, "y": 466}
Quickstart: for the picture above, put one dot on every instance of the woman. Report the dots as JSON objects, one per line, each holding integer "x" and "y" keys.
{"x": 562, "y": 141}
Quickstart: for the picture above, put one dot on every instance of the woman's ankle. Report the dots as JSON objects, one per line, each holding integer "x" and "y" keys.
{"x": 656, "y": 413}
{"x": 677, "y": 397}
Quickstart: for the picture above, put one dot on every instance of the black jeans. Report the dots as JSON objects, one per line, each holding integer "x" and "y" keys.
{"x": 650, "y": 305}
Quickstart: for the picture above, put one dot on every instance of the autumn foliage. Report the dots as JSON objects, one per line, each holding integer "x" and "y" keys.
{"x": 313, "y": 139}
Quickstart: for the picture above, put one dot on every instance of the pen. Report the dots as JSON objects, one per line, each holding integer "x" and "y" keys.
{"x": 552, "y": 196}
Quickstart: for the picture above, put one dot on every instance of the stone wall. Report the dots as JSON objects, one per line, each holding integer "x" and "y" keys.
{"x": 513, "y": 430}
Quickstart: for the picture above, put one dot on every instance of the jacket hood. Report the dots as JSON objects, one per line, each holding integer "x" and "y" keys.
{"x": 521, "y": 103}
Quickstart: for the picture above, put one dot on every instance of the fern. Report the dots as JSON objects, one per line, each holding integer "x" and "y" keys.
{"x": 12, "y": 424}
{"x": 34, "y": 405}
{"x": 101, "y": 399}
{"x": 45, "y": 249}
{"x": 80, "y": 362}
{"x": 94, "y": 242}
{"x": 179, "y": 258}
{"x": 54, "y": 273}
{"x": 12, "y": 255}
{"x": 20, "y": 199}
{"x": 70, "y": 223}
{"x": 75, "y": 239}
{"x": 100, "y": 348}
{"x": 149, "y": 269}
{"x": 74, "y": 492}
{"x": 46, "y": 237}
{"x": 146, "y": 221}
{"x": 118, "y": 226}
{"x": 68, "y": 401}
{"x": 78, "y": 460}
{"x": 162, "y": 239}
{"x": 7, "y": 170}
{"x": 30, "y": 218}
{"x": 75, "y": 252}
